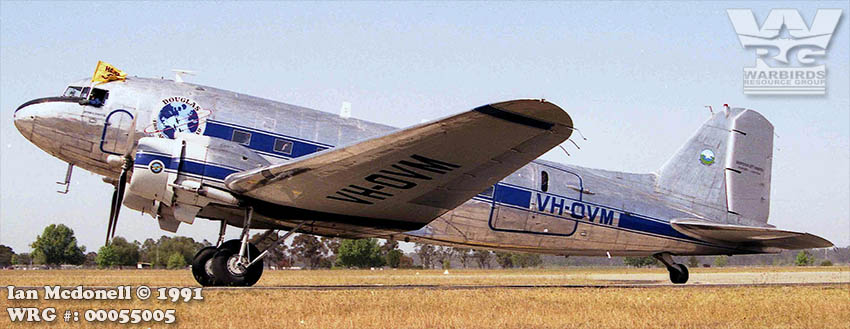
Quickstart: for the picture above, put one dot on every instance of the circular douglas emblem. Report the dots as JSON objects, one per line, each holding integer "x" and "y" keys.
{"x": 178, "y": 115}
{"x": 156, "y": 166}
{"x": 706, "y": 157}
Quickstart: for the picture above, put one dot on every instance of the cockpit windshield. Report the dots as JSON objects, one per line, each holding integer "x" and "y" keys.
{"x": 73, "y": 91}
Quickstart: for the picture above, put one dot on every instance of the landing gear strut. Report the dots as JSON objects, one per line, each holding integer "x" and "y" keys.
{"x": 678, "y": 272}
{"x": 231, "y": 267}
{"x": 235, "y": 262}
{"x": 230, "y": 263}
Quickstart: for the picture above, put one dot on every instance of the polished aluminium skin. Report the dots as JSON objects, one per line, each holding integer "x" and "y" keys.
{"x": 542, "y": 207}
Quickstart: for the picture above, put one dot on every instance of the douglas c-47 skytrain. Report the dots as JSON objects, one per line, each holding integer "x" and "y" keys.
{"x": 179, "y": 151}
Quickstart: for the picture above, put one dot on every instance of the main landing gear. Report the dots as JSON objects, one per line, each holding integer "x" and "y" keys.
{"x": 235, "y": 262}
{"x": 678, "y": 272}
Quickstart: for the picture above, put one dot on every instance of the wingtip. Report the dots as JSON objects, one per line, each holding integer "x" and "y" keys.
{"x": 819, "y": 242}
{"x": 539, "y": 109}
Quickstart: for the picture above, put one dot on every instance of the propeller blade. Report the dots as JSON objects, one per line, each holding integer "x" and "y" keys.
{"x": 111, "y": 214}
{"x": 119, "y": 198}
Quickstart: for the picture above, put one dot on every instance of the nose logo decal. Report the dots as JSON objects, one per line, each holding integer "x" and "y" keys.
{"x": 178, "y": 114}
{"x": 706, "y": 157}
{"x": 156, "y": 166}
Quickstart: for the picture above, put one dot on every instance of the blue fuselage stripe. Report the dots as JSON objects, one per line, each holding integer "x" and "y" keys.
{"x": 187, "y": 166}
{"x": 503, "y": 193}
{"x": 639, "y": 224}
{"x": 263, "y": 141}
{"x": 145, "y": 159}
{"x": 521, "y": 199}
{"x": 513, "y": 196}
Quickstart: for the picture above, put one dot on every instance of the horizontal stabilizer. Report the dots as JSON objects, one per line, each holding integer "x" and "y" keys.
{"x": 416, "y": 174}
{"x": 766, "y": 238}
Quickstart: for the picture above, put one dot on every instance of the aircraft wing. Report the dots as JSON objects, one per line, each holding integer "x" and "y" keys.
{"x": 767, "y": 238}
{"x": 414, "y": 175}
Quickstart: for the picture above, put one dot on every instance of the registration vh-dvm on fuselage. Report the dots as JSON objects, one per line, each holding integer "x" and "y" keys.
{"x": 179, "y": 151}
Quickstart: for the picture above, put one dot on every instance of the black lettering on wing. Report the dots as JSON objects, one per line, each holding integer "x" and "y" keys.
{"x": 405, "y": 173}
{"x": 428, "y": 164}
{"x": 348, "y": 198}
{"x": 367, "y": 192}
{"x": 389, "y": 181}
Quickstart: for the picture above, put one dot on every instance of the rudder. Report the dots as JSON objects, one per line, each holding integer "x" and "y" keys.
{"x": 723, "y": 171}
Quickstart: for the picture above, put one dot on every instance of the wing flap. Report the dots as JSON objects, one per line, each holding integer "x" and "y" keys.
{"x": 415, "y": 174}
{"x": 749, "y": 236}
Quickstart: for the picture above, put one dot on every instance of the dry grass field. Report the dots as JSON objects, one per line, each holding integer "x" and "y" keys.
{"x": 615, "y": 307}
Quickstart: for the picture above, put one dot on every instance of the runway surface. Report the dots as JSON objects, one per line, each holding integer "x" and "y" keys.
{"x": 505, "y": 286}
{"x": 465, "y": 280}
{"x": 569, "y": 286}
{"x": 601, "y": 281}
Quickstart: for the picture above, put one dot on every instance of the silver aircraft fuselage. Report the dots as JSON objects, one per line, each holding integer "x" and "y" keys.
{"x": 544, "y": 207}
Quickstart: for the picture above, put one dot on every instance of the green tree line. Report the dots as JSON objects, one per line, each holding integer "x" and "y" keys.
{"x": 57, "y": 245}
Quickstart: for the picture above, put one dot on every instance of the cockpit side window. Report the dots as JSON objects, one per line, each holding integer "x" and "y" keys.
{"x": 85, "y": 93}
{"x": 98, "y": 97}
{"x": 544, "y": 181}
{"x": 73, "y": 91}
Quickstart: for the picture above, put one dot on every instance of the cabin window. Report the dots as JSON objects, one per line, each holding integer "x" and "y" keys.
{"x": 241, "y": 137}
{"x": 73, "y": 92}
{"x": 544, "y": 181}
{"x": 98, "y": 97}
{"x": 85, "y": 93}
{"x": 282, "y": 146}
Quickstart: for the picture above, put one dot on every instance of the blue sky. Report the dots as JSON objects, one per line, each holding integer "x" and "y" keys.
{"x": 634, "y": 76}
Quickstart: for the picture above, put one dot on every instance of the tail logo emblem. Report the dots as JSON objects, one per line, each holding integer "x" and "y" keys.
{"x": 706, "y": 157}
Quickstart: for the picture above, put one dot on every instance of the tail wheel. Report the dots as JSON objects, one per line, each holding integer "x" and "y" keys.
{"x": 678, "y": 273}
{"x": 228, "y": 269}
{"x": 202, "y": 267}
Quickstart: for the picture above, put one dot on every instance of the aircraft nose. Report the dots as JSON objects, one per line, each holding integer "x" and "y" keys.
{"x": 23, "y": 118}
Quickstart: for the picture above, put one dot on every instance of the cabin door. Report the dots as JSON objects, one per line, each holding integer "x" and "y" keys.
{"x": 118, "y": 128}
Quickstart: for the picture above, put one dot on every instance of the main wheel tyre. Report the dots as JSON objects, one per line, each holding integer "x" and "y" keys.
{"x": 202, "y": 267}
{"x": 229, "y": 272}
{"x": 678, "y": 273}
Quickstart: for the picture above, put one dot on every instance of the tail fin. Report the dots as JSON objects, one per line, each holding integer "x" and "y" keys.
{"x": 723, "y": 171}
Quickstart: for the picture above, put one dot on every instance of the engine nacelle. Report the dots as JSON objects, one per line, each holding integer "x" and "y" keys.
{"x": 173, "y": 179}
{"x": 156, "y": 168}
